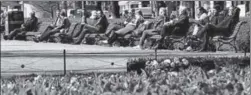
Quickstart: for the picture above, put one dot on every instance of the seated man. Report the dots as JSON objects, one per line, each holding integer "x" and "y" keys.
{"x": 157, "y": 27}
{"x": 29, "y": 25}
{"x": 132, "y": 25}
{"x": 63, "y": 24}
{"x": 224, "y": 28}
{"x": 177, "y": 27}
{"x": 114, "y": 26}
{"x": 96, "y": 23}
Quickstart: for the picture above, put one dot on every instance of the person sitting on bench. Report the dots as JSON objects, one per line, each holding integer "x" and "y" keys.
{"x": 96, "y": 23}
{"x": 63, "y": 24}
{"x": 132, "y": 25}
{"x": 178, "y": 26}
{"x": 157, "y": 27}
{"x": 29, "y": 25}
{"x": 224, "y": 28}
{"x": 213, "y": 17}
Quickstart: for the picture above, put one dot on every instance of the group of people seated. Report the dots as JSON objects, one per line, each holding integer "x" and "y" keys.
{"x": 207, "y": 25}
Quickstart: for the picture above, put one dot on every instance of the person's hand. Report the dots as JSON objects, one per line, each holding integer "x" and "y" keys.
{"x": 168, "y": 23}
{"x": 22, "y": 26}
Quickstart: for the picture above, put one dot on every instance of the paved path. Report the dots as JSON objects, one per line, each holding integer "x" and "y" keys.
{"x": 48, "y": 57}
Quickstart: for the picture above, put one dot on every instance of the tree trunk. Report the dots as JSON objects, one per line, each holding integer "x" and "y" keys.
{"x": 65, "y": 6}
{"x": 115, "y": 9}
{"x": 52, "y": 15}
{"x": 99, "y": 5}
{"x": 84, "y": 12}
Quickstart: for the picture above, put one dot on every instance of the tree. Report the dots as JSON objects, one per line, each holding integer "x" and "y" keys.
{"x": 243, "y": 38}
{"x": 46, "y": 6}
{"x": 115, "y": 9}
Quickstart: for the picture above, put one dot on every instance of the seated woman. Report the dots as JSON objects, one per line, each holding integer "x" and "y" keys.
{"x": 177, "y": 27}
{"x": 224, "y": 28}
{"x": 63, "y": 24}
{"x": 157, "y": 27}
{"x": 200, "y": 21}
{"x": 132, "y": 25}
{"x": 96, "y": 23}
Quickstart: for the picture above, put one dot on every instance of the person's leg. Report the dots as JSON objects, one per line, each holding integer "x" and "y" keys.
{"x": 14, "y": 33}
{"x": 204, "y": 34}
{"x": 112, "y": 37}
{"x": 80, "y": 37}
{"x": 47, "y": 34}
{"x": 125, "y": 30}
{"x": 112, "y": 27}
{"x": 145, "y": 34}
{"x": 166, "y": 30}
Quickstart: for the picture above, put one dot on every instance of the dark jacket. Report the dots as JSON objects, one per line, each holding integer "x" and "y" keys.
{"x": 102, "y": 24}
{"x": 215, "y": 19}
{"x": 181, "y": 25}
{"x": 159, "y": 22}
{"x": 65, "y": 24}
{"x": 230, "y": 21}
{"x": 30, "y": 24}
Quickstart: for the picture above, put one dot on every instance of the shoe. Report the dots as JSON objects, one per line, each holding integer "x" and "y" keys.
{"x": 189, "y": 48}
{"x": 138, "y": 47}
{"x": 35, "y": 40}
{"x": 105, "y": 41}
{"x": 5, "y": 37}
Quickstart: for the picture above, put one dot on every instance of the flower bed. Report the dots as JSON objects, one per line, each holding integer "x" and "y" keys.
{"x": 173, "y": 76}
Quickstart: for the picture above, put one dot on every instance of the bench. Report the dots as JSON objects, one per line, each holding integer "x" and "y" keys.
{"x": 231, "y": 40}
{"x": 25, "y": 35}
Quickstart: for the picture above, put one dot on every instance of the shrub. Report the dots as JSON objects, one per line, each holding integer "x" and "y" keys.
{"x": 243, "y": 38}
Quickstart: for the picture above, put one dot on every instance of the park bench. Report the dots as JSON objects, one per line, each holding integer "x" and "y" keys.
{"x": 231, "y": 40}
{"x": 64, "y": 36}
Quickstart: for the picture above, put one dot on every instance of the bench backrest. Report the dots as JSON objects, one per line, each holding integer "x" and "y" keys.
{"x": 237, "y": 29}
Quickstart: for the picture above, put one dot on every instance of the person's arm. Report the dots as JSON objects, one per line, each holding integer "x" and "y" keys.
{"x": 92, "y": 27}
{"x": 180, "y": 21}
{"x": 62, "y": 25}
{"x": 160, "y": 25}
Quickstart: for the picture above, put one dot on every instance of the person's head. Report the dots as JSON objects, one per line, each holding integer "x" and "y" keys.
{"x": 63, "y": 14}
{"x": 162, "y": 11}
{"x": 202, "y": 10}
{"x": 99, "y": 13}
{"x": 32, "y": 14}
{"x": 94, "y": 14}
{"x": 230, "y": 10}
{"x": 138, "y": 14}
{"x": 183, "y": 11}
{"x": 216, "y": 10}
{"x": 206, "y": 6}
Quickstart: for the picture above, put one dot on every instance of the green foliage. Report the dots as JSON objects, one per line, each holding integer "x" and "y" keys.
{"x": 243, "y": 38}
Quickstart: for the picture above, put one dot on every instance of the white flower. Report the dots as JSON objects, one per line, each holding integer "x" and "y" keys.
{"x": 185, "y": 61}
{"x": 73, "y": 79}
{"x": 167, "y": 61}
{"x": 154, "y": 63}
